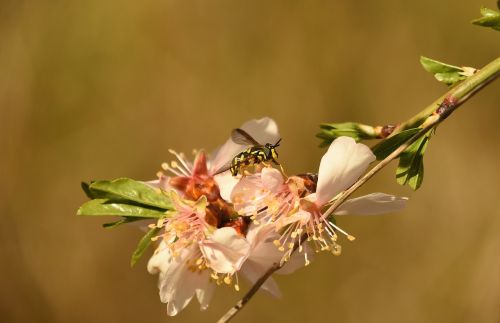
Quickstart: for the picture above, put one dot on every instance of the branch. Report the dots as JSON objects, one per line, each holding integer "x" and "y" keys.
{"x": 468, "y": 87}
{"x": 432, "y": 115}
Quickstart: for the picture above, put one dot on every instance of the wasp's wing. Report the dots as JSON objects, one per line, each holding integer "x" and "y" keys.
{"x": 223, "y": 168}
{"x": 241, "y": 137}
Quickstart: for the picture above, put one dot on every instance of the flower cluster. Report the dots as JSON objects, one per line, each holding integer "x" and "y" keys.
{"x": 225, "y": 226}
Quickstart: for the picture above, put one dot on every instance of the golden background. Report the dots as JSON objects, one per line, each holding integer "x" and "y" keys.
{"x": 101, "y": 89}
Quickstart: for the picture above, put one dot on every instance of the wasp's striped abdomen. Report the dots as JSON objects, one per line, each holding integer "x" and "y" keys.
{"x": 249, "y": 157}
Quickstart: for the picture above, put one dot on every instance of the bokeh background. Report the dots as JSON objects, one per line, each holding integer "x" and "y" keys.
{"x": 101, "y": 89}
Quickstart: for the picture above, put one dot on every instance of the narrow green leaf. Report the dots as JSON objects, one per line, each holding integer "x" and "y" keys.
{"x": 143, "y": 244}
{"x": 124, "y": 220}
{"x": 128, "y": 189}
{"x": 411, "y": 165}
{"x": 97, "y": 194}
{"x": 490, "y": 18}
{"x": 104, "y": 207}
{"x": 445, "y": 73}
{"x": 387, "y": 146}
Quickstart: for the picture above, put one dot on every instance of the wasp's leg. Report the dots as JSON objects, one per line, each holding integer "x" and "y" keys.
{"x": 282, "y": 170}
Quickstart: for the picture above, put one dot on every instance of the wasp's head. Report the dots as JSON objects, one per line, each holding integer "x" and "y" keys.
{"x": 272, "y": 150}
{"x": 271, "y": 146}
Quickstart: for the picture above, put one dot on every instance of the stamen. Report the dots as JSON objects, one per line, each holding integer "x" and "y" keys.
{"x": 237, "y": 285}
{"x": 166, "y": 167}
{"x": 181, "y": 159}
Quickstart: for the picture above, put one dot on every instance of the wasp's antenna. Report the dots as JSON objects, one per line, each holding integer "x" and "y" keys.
{"x": 277, "y": 143}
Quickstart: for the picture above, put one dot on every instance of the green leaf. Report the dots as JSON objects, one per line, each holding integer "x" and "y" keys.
{"x": 86, "y": 189}
{"x": 124, "y": 220}
{"x": 143, "y": 244}
{"x": 330, "y": 131}
{"x": 490, "y": 18}
{"x": 387, "y": 146}
{"x": 130, "y": 190}
{"x": 105, "y": 207}
{"x": 445, "y": 73}
{"x": 411, "y": 164}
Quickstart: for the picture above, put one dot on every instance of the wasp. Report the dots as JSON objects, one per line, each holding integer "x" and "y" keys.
{"x": 254, "y": 155}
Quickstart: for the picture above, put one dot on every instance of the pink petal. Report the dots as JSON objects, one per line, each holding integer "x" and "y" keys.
{"x": 248, "y": 195}
{"x": 200, "y": 164}
{"x": 272, "y": 179}
{"x": 225, "y": 251}
{"x": 226, "y": 183}
{"x": 253, "y": 271}
{"x": 372, "y": 204}
{"x": 178, "y": 284}
{"x": 300, "y": 215}
{"x": 343, "y": 163}
{"x": 161, "y": 183}
{"x": 263, "y": 251}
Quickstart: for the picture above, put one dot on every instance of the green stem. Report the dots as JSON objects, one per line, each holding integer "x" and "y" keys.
{"x": 460, "y": 92}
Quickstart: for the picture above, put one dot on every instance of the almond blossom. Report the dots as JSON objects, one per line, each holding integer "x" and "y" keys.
{"x": 223, "y": 226}
{"x": 295, "y": 205}
{"x": 203, "y": 241}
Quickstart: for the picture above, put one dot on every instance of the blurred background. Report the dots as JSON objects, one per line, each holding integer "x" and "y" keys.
{"x": 101, "y": 89}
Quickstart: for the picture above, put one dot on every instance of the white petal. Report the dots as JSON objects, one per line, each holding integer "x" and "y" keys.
{"x": 261, "y": 233}
{"x": 263, "y": 130}
{"x": 272, "y": 179}
{"x": 205, "y": 293}
{"x": 341, "y": 166}
{"x": 225, "y": 251}
{"x": 263, "y": 251}
{"x": 372, "y": 204}
{"x": 226, "y": 183}
{"x": 178, "y": 284}
{"x": 252, "y": 271}
{"x": 161, "y": 259}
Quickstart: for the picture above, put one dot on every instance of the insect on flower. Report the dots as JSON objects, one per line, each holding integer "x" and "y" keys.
{"x": 256, "y": 154}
